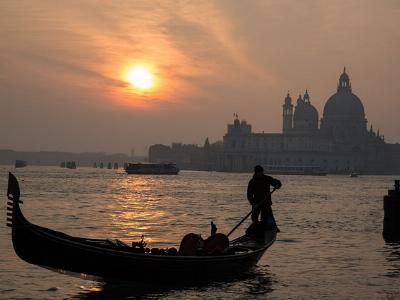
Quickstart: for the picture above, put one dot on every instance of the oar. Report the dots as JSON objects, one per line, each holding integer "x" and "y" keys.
{"x": 244, "y": 219}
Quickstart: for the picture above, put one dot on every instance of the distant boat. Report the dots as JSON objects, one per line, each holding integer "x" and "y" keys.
{"x": 109, "y": 166}
{"x": 70, "y": 165}
{"x": 294, "y": 170}
{"x": 353, "y": 175}
{"x": 20, "y": 163}
{"x": 101, "y": 165}
{"x": 152, "y": 169}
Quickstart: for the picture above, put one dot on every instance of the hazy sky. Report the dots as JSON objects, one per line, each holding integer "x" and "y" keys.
{"x": 63, "y": 64}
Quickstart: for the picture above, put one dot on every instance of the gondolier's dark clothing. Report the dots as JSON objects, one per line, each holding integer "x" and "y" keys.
{"x": 259, "y": 190}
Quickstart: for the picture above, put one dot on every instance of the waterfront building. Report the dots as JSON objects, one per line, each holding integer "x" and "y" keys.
{"x": 187, "y": 156}
{"x": 339, "y": 142}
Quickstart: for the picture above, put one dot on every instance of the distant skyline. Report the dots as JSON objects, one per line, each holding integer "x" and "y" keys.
{"x": 64, "y": 66}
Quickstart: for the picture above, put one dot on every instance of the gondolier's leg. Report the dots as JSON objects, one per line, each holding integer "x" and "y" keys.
{"x": 267, "y": 218}
{"x": 266, "y": 214}
{"x": 255, "y": 213}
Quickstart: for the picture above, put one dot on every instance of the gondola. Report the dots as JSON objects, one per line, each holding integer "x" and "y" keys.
{"x": 105, "y": 259}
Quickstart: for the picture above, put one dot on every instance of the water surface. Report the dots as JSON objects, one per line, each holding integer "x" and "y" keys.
{"x": 330, "y": 243}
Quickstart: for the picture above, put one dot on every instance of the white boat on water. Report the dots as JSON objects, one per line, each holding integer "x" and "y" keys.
{"x": 152, "y": 168}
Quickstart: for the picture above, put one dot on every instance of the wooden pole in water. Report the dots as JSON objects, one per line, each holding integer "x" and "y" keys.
{"x": 391, "y": 220}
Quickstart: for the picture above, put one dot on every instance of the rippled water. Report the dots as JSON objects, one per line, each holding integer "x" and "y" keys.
{"x": 330, "y": 243}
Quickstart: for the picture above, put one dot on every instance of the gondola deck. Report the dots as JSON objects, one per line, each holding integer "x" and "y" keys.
{"x": 102, "y": 258}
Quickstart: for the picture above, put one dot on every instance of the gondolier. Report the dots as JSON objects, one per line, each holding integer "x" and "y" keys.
{"x": 259, "y": 195}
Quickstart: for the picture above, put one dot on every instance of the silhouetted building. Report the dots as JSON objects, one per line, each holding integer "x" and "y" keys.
{"x": 338, "y": 143}
{"x": 187, "y": 156}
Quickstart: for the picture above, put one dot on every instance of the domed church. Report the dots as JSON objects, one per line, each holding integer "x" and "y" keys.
{"x": 338, "y": 143}
{"x": 344, "y": 116}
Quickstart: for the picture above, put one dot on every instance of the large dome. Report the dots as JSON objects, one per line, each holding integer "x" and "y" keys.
{"x": 344, "y": 116}
{"x": 344, "y": 103}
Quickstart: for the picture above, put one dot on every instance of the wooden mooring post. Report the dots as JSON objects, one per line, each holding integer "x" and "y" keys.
{"x": 391, "y": 220}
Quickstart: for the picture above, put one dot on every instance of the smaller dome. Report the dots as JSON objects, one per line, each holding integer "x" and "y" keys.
{"x": 305, "y": 115}
{"x": 305, "y": 111}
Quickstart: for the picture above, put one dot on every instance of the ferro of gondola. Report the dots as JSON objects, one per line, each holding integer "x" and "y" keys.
{"x": 9, "y": 219}
{"x": 10, "y": 203}
{"x": 9, "y": 214}
{"x": 9, "y": 225}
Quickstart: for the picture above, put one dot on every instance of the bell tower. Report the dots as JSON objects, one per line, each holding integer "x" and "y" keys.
{"x": 287, "y": 114}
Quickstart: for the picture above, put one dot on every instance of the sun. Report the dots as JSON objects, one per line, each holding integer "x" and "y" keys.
{"x": 140, "y": 77}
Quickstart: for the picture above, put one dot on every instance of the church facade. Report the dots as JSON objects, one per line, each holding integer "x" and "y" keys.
{"x": 339, "y": 142}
